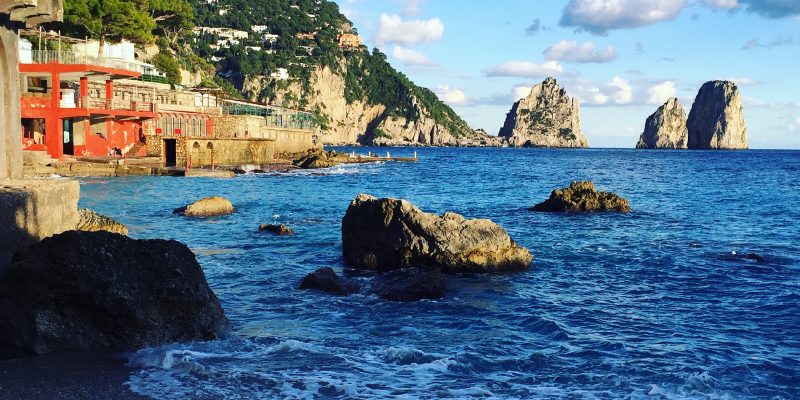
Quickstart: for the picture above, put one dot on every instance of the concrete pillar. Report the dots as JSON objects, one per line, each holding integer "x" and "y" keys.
{"x": 54, "y": 129}
{"x": 10, "y": 129}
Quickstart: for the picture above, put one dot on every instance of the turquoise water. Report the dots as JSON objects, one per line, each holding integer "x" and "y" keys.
{"x": 657, "y": 303}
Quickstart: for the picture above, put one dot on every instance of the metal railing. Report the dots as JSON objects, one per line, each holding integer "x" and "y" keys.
{"x": 69, "y": 57}
{"x": 274, "y": 117}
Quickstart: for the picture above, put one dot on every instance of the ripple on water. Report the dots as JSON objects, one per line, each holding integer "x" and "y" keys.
{"x": 652, "y": 304}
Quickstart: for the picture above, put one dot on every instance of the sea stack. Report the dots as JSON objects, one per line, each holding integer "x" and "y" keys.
{"x": 548, "y": 117}
{"x": 665, "y": 128}
{"x": 716, "y": 120}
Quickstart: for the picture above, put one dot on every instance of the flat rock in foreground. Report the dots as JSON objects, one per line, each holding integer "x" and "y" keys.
{"x": 390, "y": 234}
{"x": 581, "y": 196}
{"x": 100, "y": 292}
{"x": 207, "y": 207}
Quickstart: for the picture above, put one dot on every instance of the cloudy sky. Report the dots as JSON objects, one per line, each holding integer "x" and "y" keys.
{"x": 621, "y": 58}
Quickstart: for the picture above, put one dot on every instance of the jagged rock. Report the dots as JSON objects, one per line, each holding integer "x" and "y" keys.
{"x": 409, "y": 285}
{"x": 665, "y": 128}
{"x": 91, "y": 221}
{"x": 318, "y": 158}
{"x": 102, "y": 292}
{"x": 716, "y": 120}
{"x": 207, "y": 207}
{"x": 389, "y": 234}
{"x": 548, "y": 117}
{"x": 581, "y": 196}
{"x": 326, "y": 280}
{"x": 279, "y": 229}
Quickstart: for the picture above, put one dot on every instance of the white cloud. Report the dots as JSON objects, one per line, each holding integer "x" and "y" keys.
{"x": 797, "y": 120}
{"x": 600, "y": 16}
{"x": 741, "y": 81}
{"x": 411, "y": 7}
{"x": 451, "y": 96}
{"x": 722, "y": 4}
{"x": 409, "y": 57}
{"x": 393, "y": 29}
{"x": 521, "y": 92}
{"x": 525, "y": 69}
{"x": 620, "y": 91}
{"x": 572, "y": 51}
{"x": 660, "y": 93}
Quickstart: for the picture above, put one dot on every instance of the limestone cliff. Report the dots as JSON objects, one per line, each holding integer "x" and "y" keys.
{"x": 548, "y": 117}
{"x": 716, "y": 120}
{"x": 361, "y": 121}
{"x": 665, "y": 128}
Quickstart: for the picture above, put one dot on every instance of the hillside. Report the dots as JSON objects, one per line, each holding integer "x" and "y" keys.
{"x": 294, "y": 53}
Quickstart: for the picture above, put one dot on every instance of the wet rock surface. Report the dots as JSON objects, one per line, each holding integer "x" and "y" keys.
{"x": 389, "y": 234}
{"x": 276, "y": 229}
{"x": 326, "y": 280}
{"x": 91, "y": 221}
{"x": 581, "y": 196}
{"x": 207, "y": 207}
{"x": 102, "y": 292}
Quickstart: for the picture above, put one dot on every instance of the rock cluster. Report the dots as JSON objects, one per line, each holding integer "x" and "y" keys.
{"x": 547, "y": 117}
{"x": 389, "y": 234}
{"x": 319, "y": 158}
{"x": 665, "y": 128}
{"x": 717, "y": 120}
{"x": 102, "y": 292}
{"x": 207, "y": 207}
{"x": 91, "y": 221}
{"x": 277, "y": 229}
{"x": 581, "y": 196}
{"x": 398, "y": 285}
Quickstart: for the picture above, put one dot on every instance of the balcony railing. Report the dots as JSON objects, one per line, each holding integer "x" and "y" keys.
{"x": 116, "y": 104}
{"x": 68, "y": 57}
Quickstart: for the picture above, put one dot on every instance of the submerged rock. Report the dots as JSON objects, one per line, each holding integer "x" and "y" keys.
{"x": 102, "y": 292}
{"x": 716, "y": 120}
{"x": 547, "y": 117}
{"x": 91, "y": 221}
{"x": 409, "y": 285}
{"x": 326, "y": 280}
{"x": 665, "y": 128}
{"x": 280, "y": 229}
{"x": 581, "y": 196}
{"x": 389, "y": 234}
{"x": 207, "y": 207}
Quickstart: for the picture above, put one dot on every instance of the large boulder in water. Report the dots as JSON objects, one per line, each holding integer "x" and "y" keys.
{"x": 101, "y": 292}
{"x": 581, "y": 196}
{"x": 389, "y": 234}
{"x": 326, "y": 280}
{"x": 91, "y": 221}
{"x": 409, "y": 285}
{"x": 665, "y": 128}
{"x": 716, "y": 120}
{"x": 207, "y": 207}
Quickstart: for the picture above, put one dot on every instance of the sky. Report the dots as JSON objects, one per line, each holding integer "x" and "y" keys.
{"x": 621, "y": 58}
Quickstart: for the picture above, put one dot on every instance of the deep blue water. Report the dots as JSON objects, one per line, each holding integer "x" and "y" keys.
{"x": 657, "y": 303}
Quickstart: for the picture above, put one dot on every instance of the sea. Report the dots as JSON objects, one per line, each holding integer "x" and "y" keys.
{"x": 694, "y": 294}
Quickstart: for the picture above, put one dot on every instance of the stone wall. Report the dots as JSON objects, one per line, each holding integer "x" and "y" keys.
{"x": 155, "y": 145}
{"x": 291, "y": 141}
{"x": 239, "y": 126}
{"x": 31, "y": 210}
{"x": 229, "y": 152}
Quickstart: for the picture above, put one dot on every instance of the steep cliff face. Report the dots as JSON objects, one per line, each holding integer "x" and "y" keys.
{"x": 548, "y": 117}
{"x": 665, "y": 128}
{"x": 716, "y": 120}
{"x": 359, "y": 121}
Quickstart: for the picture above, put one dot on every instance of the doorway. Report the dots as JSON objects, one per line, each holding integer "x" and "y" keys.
{"x": 69, "y": 140}
{"x": 169, "y": 152}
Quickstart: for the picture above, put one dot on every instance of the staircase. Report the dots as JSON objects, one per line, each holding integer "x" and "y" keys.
{"x": 133, "y": 151}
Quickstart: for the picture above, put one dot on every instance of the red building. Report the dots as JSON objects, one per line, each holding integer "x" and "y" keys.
{"x": 69, "y": 108}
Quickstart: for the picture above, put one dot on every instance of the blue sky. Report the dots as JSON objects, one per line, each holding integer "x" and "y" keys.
{"x": 621, "y": 58}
